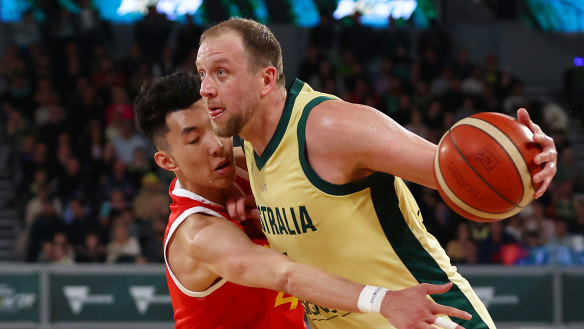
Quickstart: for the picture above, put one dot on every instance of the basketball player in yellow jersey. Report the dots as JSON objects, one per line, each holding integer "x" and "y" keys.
{"x": 325, "y": 176}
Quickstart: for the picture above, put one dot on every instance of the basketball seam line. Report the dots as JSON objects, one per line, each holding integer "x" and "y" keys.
{"x": 525, "y": 185}
{"x": 475, "y": 171}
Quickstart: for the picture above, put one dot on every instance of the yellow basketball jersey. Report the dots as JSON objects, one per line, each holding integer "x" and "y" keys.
{"x": 369, "y": 231}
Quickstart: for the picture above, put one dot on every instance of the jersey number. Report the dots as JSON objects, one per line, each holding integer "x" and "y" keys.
{"x": 280, "y": 299}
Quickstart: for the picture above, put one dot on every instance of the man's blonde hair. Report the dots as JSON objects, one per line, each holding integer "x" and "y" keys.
{"x": 260, "y": 45}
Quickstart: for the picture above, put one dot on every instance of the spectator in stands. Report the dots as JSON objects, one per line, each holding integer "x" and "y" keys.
{"x": 123, "y": 248}
{"x": 422, "y": 97}
{"x": 107, "y": 74}
{"x": 120, "y": 107}
{"x": 416, "y": 124}
{"x": 16, "y": 126}
{"x": 570, "y": 169}
{"x": 164, "y": 63}
{"x": 429, "y": 67}
{"x": 392, "y": 37}
{"x": 34, "y": 206}
{"x": 489, "y": 251}
{"x": 474, "y": 85}
{"x": 309, "y": 66}
{"x": 457, "y": 249}
{"x": 55, "y": 125}
{"x": 187, "y": 39}
{"x": 515, "y": 99}
{"x": 42, "y": 230}
{"x": 128, "y": 142}
{"x": 492, "y": 74}
{"x": 92, "y": 29}
{"x": 112, "y": 207}
{"x": 61, "y": 251}
{"x": 118, "y": 179}
{"x": 80, "y": 222}
{"x": 152, "y": 201}
{"x": 324, "y": 35}
{"x": 462, "y": 66}
{"x": 92, "y": 251}
{"x": 153, "y": 249}
{"x": 441, "y": 84}
{"x": 26, "y": 31}
{"x": 72, "y": 184}
{"x": 536, "y": 220}
{"x": 152, "y": 32}
{"x": 437, "y": 38}
{"x": 564, "y": 202}
{"x": 561, "y": 246}
{"x": 357, "y": 37}
{"x": 140, "y": 166}
{"x": 143, "y": 73}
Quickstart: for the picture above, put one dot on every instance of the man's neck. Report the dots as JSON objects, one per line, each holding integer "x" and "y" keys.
{"x": 262, "y": 126}
{"x": 217, "y": 195}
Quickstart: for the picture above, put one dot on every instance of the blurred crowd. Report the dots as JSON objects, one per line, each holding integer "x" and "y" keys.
{"x": 89, "y": 192}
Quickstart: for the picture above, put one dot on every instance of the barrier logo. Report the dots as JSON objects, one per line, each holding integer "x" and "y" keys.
{"x": 488, "y": 297}
{"x": 145, "y": 295}
{"x": 78, "y": 296}
{"x": 12, "y": 301}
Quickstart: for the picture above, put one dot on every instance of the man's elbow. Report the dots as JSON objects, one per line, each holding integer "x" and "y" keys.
{"x": 287, "y": 279}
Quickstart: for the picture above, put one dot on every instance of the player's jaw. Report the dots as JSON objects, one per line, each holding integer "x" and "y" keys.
{"x": 225, "y": 122}
{"x": 222, "y": 171}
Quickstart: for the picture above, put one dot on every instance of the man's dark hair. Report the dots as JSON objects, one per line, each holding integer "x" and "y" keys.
{"x": 161, "y": 96}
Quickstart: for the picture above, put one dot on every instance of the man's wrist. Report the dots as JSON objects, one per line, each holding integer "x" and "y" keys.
{"x": 371, "y": 298}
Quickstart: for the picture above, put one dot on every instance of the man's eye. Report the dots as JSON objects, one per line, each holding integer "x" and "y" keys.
{"x": 194, "y": 140}
{"x": 221, "y": 71}
{"x": 202, "y": 75}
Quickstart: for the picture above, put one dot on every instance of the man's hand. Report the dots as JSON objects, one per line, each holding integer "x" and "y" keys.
{"x": 410, "y": 308}
{"x": 242, "y": 207}
{"x": 548, "y": 156}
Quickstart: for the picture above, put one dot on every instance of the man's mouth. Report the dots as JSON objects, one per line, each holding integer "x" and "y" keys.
{"x": 223, "y": 165}
{"x": 214, "y": 112}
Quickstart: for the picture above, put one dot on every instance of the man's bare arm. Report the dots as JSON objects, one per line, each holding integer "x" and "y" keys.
{"x": 348, "y": 141}
{"x": 218, "y": 247}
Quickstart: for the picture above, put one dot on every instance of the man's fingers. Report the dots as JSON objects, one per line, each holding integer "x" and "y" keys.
{"x": 432, "y": 289}
{"x": 241, "y": 208}
{"x": 231, "y": 207}
{"x": 445, "y": 323}
{"x": 451, "y": 312}
{"x": 523, "y": 117}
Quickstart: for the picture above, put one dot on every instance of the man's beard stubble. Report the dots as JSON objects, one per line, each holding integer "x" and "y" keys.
{"x": 231, "y": 128}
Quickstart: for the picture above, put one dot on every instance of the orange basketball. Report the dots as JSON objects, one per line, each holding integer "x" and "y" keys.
{"x": 484, "y": 166}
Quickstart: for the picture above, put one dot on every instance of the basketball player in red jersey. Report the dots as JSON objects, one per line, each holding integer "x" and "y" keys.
{"x": 217, "y": 276}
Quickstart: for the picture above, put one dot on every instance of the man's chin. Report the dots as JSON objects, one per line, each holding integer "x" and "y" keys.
{"x": 226, "y": 131}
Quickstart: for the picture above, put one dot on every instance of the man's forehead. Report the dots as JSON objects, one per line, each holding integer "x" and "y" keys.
{"x": 215, "y": 48}
{"x": 194, "y": 116}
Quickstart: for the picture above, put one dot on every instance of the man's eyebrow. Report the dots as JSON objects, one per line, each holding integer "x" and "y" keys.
{"x": 218, "y": 61}
{"x": 187, "y": 130}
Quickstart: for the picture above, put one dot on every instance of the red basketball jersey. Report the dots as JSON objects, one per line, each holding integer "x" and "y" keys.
{"x": 224, "y": 304}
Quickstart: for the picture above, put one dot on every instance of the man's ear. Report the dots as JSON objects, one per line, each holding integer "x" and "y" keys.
{"x": 270, "y": 75}
{"x": 165, "y": 161}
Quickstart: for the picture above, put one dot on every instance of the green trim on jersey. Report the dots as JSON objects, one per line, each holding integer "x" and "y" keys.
{"x": 413, "y": 255}
{"x": 282, "y": 125}
{"x": 312, "y": 176}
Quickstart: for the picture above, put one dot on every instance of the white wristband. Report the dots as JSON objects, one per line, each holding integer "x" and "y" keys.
{"x": 445, "y": 323}
{"x": 370, "y": 299}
